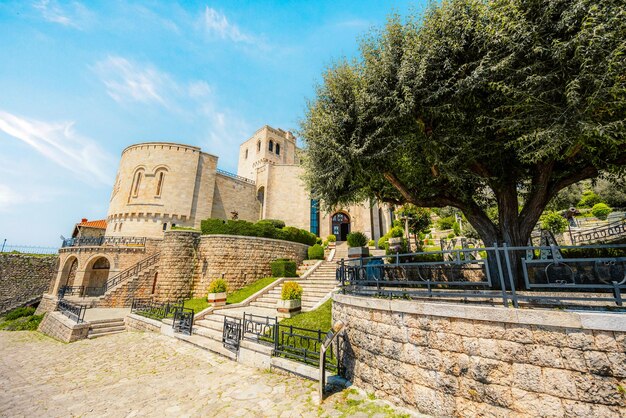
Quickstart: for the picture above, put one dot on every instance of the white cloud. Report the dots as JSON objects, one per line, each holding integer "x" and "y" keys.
{"x": 73, "y": 15}
{"x": 61, "y": 144}
{"x": 216, "y": 23}
{"x": 9, "y": 197}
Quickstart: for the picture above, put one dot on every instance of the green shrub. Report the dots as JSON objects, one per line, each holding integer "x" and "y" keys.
{"x": 316, "y": 252}
{"x": 283, "y": 267}
{"x": 456, "y": 228}
{"x": 218, "y": 286}
{"x": 446, "y": 223}
{"x": 451, "y": 235}
{"x": 331, "y": 238}
{"x": 319, "y": 241}
{"x": 553, "y": 222}
{"x": 19, "y": 312}
{"x": 371, "y": 243}
{"x": 276, "y": 222}
{"x": 383, "y": 242}
{"x": 397, "y": 223}
{"x": 264, "y": 228}
{"x": 396, "y": 232}
{"x": 601, "y": 211}
{"x": 23, "y": 323}
{"x": 325, "y": 243}
{"x": 291, "y": 291}
{"x": 356, "y": 239}
{"x": 589, "y": 199}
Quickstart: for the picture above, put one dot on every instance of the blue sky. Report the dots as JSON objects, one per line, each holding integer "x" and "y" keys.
{"x": 81, "y": 81}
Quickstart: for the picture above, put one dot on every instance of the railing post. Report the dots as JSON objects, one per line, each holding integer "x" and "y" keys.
{"x": 500, "y": 274}
{"x": 617, "y": 292}
{"x": 507, "y": 259}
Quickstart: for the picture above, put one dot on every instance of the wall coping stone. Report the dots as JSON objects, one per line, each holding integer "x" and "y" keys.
{"x": 262, "y": 239}
{"x": 601, "y": 321}
{"x": 153, "y": 322}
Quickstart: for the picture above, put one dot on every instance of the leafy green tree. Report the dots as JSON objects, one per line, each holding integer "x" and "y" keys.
{"x": 589, "y": 199}
{"x": 418, "y": 218}
{"x": 471, "y": 104}
{"x": 553, "y": 222}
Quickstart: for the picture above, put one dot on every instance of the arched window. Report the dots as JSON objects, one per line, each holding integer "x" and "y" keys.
{"x": 258, "y": 146}
{"x": 271, "y": 147}
{"x": 160, "y": 179}
{"x": 137, "y": 183}
{"x": 277, "y": 149}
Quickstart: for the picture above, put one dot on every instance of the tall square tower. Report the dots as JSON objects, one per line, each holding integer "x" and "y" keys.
{"x": 266, "y": 146}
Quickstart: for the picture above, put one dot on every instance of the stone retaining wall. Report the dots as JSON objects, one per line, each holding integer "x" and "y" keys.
{"x": 136, "y": 322}
{"x": 177, "y": 264}
{"x": 48, "y": 304}
{"x": 24, "y": 277}
{"x": 470, "y": 361}
{"x": 60, "y": 327}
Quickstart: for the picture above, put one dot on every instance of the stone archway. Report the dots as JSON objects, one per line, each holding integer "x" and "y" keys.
{"x": 68, "y": 273}
{"x": 340, "y": 225}
{"x": 96, "y": 275}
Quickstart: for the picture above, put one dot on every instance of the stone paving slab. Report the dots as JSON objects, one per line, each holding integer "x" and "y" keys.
{"x": 142, "y": 374}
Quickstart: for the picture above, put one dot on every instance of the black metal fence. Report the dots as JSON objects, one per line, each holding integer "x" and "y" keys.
{"x": 104, "y": 241}
{"x": 75, "y": 312}
{"x": 27, "y": 249}
{"x": 611, "y": 231}
{"x": 593, "y": 274}
{"x": 155, "y": 310}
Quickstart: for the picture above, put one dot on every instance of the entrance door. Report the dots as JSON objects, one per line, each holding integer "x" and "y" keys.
{"x": 340, "y": 226}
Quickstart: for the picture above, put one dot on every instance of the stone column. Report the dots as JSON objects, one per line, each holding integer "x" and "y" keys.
{"x": 176, "y": 265}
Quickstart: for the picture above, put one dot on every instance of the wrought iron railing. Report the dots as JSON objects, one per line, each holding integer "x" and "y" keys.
{"x": 71, "y": 291}
{"x": 259, "y": 328}
{"x": 235, "y": 176}
{"x": 555, "y": 274}
{"x": 104, "y": 241}
{"x": 28, "y": 249}
{"x": 74, "y": 312}
{"x": 613, "y": 230}
{"x": 303, "y": 345}
{"x": 182, "y": 318}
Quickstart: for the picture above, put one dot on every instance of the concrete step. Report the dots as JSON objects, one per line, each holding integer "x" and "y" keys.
{"x": 105, "y": 330}
{"x": 207, "y": 344}
{"x": 105, "y": 324}
{"x": 214, "y": 325}
{"x": 213, "y": 334}
{"x": 104, "y": 334}
{"x": 263, "y": 304}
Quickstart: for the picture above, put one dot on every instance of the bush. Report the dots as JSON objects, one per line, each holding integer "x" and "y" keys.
{"x": 601, "y": 211}
{"x": 331, "y": 238}
{"x": 19, "y": 312}
{"x": 265, "y": 228}
{"x": 319, "y": 241}
{"x": 446, "y": 223}
{"x": 553, "y": 222}
{"x": 316, "y": 252}
{"x": 456, "y": 228}
{"x": 396, "y": 232}
{"x": 283, "y": 267}
{"x": 291, "y": 291}
{"x": 218, "y": 286}
{"x": 356, "y": 239}
{"x": 383, "y": 242}
{"x": 24, "y": 323}
{"x": 371, "y": 243}
{"x": 451, "y": 235}
{"x": 589, "y": 199}
{"x": 276, "y": 222}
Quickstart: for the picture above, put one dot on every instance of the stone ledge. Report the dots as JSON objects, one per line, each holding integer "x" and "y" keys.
{"x": 60, "y": 327}
{"x": 599, "y": 321}
{"x": 243, "y": 237}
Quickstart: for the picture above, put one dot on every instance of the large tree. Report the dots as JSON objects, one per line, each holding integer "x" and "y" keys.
{"x": 475, "y": 103}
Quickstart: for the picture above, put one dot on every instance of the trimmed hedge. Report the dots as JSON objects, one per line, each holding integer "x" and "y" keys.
{"x": 264, "y": 228}
{"x": 316, "y": 252}
{"x": 284, "y": 267}
{"x": 356, "y": 239}
{"x": 291, "y": 291}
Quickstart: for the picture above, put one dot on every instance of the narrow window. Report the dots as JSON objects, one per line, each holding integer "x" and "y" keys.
{"x": 119, "y": 229}
{"x": 271, "y": 145}
{"x": 164, "y": 226}
{"x": 160, "y": 183}
{"x": 246, "y": 153}
{"x": 277, "y": 149}
{"x": 258, "y": 146}
{"x": 137, "y": 184}
{"x": 156, "y": 275}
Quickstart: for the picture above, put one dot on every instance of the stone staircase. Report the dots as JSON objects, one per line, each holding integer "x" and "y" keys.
{"x": 104, "y": 327}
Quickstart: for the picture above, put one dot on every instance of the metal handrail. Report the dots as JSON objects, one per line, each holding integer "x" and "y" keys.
{"x": 612, "y": 229}
{"x": 104, "y": 241}
{"x": 131, "y": 271}
{"x": 338, "y": 328}
{"x": 235, "y": 176}
{"x": 74, "y": 312}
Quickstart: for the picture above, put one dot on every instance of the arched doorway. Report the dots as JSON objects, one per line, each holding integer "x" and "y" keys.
{"x": 96, "y": 275}
{"x": 69, "y": 271}
{"x": 340, "y": 225}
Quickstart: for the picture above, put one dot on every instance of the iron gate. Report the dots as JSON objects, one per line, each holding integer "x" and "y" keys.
{"x": 232, "y": 333}
{"x": 183, "y": 320}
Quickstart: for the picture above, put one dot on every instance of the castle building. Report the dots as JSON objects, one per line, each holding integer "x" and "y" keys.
{"x": 160, "y": 185}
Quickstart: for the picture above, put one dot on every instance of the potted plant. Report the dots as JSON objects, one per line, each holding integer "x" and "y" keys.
{"x": 357, "y": 245}
{"x": 396, "y": 239}
{"x": 290, "y": 302}
{"x": 331, "y": 239}
{"x": 217, "y": 292}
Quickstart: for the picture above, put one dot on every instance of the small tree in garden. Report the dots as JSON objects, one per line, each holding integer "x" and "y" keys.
{"x": 356, "y": 239}
{"x": 553, "y": 222}
{"x": 499, "y": 103}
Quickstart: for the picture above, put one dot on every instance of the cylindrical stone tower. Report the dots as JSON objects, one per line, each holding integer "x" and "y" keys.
{"x": 177, "y": 264}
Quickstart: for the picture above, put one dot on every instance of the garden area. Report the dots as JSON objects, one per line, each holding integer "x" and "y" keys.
{"x": 20, "y": 319}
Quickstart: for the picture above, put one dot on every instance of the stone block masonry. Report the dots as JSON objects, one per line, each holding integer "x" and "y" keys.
{"x": 24, "y": 277}
{"x": 60, "y": 327}
{"x": 476, "y": 361}
{"x": 177, "y": 264}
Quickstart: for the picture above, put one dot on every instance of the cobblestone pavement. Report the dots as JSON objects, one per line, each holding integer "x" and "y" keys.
{"x": 142, "y": 374}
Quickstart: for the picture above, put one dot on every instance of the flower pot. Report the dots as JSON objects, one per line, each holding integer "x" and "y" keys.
{"x": 217, "y": 299}
{"x": 358, "y": 252}
{"x": 395, "y": 241}
{"x": 288, "y": 308}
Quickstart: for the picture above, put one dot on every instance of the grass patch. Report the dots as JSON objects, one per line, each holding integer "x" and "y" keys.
{"x": 21, "y": 319}
{"x": 245, "y": 292}
{"x": 197, "y": 304}
{"x": 20, "y": 312}
{"x": 321, "y": 318}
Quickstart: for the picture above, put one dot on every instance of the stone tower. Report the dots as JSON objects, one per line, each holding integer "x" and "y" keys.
{"x": 266, "y": 146}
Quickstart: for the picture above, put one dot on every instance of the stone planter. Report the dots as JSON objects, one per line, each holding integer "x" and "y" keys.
{"x": 358, "y": 252}
{"x": 217, "y": 299}
{"x": 288, "y": 308}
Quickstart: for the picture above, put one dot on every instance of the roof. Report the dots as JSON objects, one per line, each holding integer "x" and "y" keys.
{"x": 99, "y": 224}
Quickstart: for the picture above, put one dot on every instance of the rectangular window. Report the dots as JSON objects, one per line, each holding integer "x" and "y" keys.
{"x": 315, "y": 217}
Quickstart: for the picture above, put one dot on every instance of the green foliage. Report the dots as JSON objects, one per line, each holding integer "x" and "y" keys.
{"x": 319, "y": 241}
{"x": 320, "y": 318}
{"x": 383, "y": 242}
{"x": 371, "y": 243}
{"x": 316, "y": 252}
{"x": 553, "y": 222}
{"x": 20, "y": 312}
{"x": 589, "y": 199}
{"x": 601, "y": 211}
{"x": 218, "y": 286}
{"x": 249, "y": 290}
{"x": 397, "y": 223}
{"x": 284, "y": 267}
{"x": 291, "y": 291}
{"x": 356, "y": 239}
{"x": 419, "y": 218}
{"x": 23, "y": 323}
{"x": 276, "y": 222}
{"x": 451, "y": 235}
{"x": 197, "y": 304}
{"x": 266, "y": 228}
{"x": 331, "y": 238}
{"x": 396, "y": 232}
{"x": 456, "y": 228}
{"x": 445, "y": 223}
{"x": 472, "y": 100}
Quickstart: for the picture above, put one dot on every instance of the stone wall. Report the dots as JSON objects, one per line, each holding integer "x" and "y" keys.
{"x": 24, "y": 277}
{"x": 240, "y": 260}
{"x": 470, "y": 361}
{"x": 48, "y": 304}
{"x": 177, "y": 264}
{"x": 60, "y": 327}
{"x": 139, "y": 323}
{"x": 232, "y": 195}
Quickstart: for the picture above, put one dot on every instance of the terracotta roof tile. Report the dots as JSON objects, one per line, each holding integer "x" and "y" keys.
{"x": 99, "y": 224}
